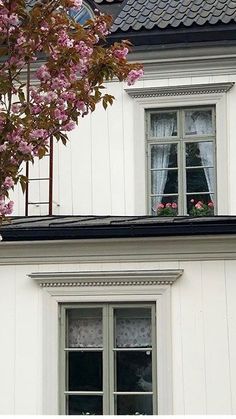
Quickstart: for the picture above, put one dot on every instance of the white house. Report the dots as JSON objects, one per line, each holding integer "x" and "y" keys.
{"x": 107, "y": 307}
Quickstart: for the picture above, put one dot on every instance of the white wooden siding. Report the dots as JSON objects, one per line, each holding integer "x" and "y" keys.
{"x": 97, "y": 172}
{"x": 203, "y": 336}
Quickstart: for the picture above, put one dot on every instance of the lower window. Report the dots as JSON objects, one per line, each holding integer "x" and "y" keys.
{"x": 108, "y": 359}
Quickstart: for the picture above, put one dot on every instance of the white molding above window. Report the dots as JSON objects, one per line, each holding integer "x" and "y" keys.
{"x": 180, "y": 90}
{"x": 125, "y": 286}
{"x": 106, "y": 278}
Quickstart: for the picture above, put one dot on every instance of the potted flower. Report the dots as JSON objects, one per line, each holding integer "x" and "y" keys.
{"x": 201, "y": 209}
{"x": 170, "y": 209}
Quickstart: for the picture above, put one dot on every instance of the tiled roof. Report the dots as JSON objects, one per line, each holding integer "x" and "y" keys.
{"x": 149, "y": 14}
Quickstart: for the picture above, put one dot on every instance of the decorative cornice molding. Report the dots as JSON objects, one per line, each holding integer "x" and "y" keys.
{"x": 106, "y": 278}
{"x": 183, "y": 90}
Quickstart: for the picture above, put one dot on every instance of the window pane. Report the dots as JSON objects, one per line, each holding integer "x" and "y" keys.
{"x": 163, "y": 156}
{"x": 85, "y": 371}
{"x": 202, "y": 204}
{"x": 199, "y": 154}
{"x": 198, "y": 122}
{"x": 84, "y": 328}
{"x": 200, "y": 180}
{"x": 134, "y": 405}
{"x": 133, "y": 327}
{"x": 164, "y": 124}
{"x": 158, "y": 203}
{"x": 164, "y": 182}
{"x": 84, "y": 405}
{"x": 134, "y": 371}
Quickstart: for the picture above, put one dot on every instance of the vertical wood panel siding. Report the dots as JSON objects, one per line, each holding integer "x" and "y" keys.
{"x": 97, "y": 173}
{"x": 203, "y": 336}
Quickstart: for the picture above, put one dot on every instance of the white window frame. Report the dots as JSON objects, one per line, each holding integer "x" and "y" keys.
{"x": 180, "y": 140}
{"x": 139, "y": 286}
{"x": 106, "y": 350}
{"x": 214, "y": 94}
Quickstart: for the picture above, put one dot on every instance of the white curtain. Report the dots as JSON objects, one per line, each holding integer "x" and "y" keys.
{"x": 87, "y": 333}
{"x": 162, "y": 127}
{"x": 201, "y": 123}
{"x": 133, "y": 333}
{"x": 206, "y": 154}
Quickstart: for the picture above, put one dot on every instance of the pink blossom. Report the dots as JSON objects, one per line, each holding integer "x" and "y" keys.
{"x": 68, "y": 95}
{"x": 133, "y": 76}
{"x": 168, "y": 205}
{"x": 43, "y": 73}
{"x": 38, "y": 133}
{"x": 211, "y": 204}
{"x": 44, "y": 27}
{"x": 8, "y": 182}
{"x": 80, "y": 105}
{"x": 16, "y": 108}
{"x": 60, "y": 114}
{"x": 121, "y": 53}
{"x": 69, "y": 126}
{"x": 6, "y": 209}
{"x": 21, "y": 40}
{"x": 13, "y": 19}
{"x": 160, "y": 206}
{"x": 75, "y": 4}
{"x": 174, "y": 205}
{"x": 102, "y": 28}
{"x": 83, "y": 49}
{"x": 25, "y": 148}
{"x": 3, "y": 147}
{"x": 64, "y": 40}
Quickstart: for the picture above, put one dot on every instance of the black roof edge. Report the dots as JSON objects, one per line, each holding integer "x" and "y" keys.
{"x": 179, "y": 35}
{"x": 179, "y": 226}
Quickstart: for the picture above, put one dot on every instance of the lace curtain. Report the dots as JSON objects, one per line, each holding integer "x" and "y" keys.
{"x": 87, "y": 333}
{"x": 162, "y": 127}
{"x": 200, "y": 123}
{"x": 133, "y": 333}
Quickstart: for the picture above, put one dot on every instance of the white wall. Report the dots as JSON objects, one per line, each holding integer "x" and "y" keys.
{"x": 203, "y": 335}
{"x": 96, "y": 173}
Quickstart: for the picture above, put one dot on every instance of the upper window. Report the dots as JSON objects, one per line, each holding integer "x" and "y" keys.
{"x": 109, "y": 359}
{"x": 181, "y": 161}
{"x": 81, "y": 15}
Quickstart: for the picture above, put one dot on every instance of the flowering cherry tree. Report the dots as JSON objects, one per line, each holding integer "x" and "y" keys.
{"x": 52, "y": 71}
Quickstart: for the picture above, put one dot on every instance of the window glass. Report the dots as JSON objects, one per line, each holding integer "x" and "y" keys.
{"x": 84, "y": 405}
{"x": 164, "y": 124}
{"x": 198, "y": 122}
{"x": 85, "y": 328}
{"x": 134, "y": 405}
{"x": 164, "y": 156}
{"x": 133, "y": 328}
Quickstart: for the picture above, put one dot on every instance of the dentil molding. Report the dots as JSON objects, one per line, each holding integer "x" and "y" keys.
{"x": 106, "y": 278}
{"x": 183, "y": 90}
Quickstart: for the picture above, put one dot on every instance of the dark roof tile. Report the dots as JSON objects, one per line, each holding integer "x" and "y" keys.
{"x": 137, "y": 14}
